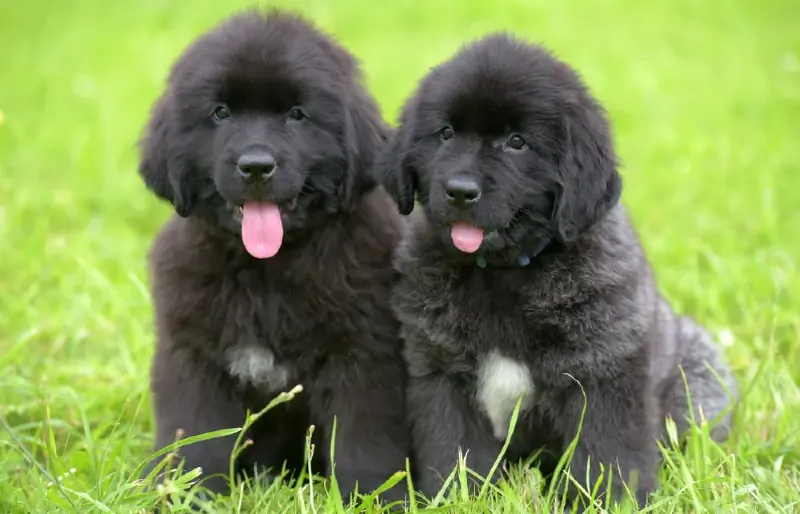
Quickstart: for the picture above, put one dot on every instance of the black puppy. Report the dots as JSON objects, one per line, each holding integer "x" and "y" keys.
{"x": 522, "y": 278}
{"x": 277, "y": 269}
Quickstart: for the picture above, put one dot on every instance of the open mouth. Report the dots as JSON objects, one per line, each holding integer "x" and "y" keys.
{"x": 262, "y": 226}
{"x": 238, "y": 210}
{"x": 468, "y": 238}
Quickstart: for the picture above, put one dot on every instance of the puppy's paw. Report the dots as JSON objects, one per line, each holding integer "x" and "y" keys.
{"x": 642, "y": 498}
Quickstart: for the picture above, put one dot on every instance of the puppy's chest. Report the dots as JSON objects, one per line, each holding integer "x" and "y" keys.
{"x": 261, "y": 348}
{"x": 493, "y": 370}
{"x": 501, "y": 382}
{"x": 490, "y": 351}
{"x": 257, "y": 366}
{"x": 278, "y": 339}
{"x": 453, "y": 328}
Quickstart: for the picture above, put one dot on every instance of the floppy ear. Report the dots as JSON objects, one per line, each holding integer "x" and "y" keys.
{"x": 164, "y": 170}
{"x": 393, "y": 170}
{"x": 394, "y": 167}
{"x": 364, "y": 133}
{"x": 590, "y": 183}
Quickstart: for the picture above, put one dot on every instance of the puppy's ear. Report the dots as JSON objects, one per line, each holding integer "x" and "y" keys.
{"x": 590, "y": 182}
{"x": 394, "y": 171}
{"x": 394, "y": 167}
{"x": 364, "y": 133}
{"x": 161, "y": 168}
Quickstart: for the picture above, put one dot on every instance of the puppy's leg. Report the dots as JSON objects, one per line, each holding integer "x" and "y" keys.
{"x": 191, "y": 398}
{"x": 711, "y": 392}
{"x": 442, "y": 421}
{"x": 366, "y": 395}
{"x": 618, "y": 431}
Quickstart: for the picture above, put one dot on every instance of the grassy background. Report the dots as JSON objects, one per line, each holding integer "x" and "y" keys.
{"x": 705, "y": 101}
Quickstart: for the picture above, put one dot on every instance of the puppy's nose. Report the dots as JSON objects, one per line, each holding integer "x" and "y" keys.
{"x": 256, "y": 166}
{"x": 462, "y": 192}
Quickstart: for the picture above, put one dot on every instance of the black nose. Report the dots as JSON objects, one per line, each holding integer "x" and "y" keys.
{"x": 462, "y": 192}
{"x": 256, "y": 166}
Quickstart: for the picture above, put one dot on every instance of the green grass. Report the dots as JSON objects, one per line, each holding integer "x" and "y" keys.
{"x": 705, "y": 101}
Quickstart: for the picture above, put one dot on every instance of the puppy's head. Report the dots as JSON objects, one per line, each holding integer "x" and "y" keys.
{"x": 505, "y": 149}
{"x": 264, "y": 130}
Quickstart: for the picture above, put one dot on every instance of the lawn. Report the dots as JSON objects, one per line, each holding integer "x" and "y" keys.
{"x": 705, "y": 102}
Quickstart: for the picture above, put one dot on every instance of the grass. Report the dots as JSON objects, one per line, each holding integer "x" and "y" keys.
{"x": 705, "y": 101}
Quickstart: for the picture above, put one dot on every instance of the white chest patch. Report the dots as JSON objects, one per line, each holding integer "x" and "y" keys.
{"x": 501, "y": 382}
{"x": 256, "y": 365}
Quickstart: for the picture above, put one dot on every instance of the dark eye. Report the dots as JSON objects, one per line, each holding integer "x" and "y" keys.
{"x": 447, "y": 133}
{"x": 516, "y": 142}
{"x": 220, "y": 113}
{"x": 295, "y": 114}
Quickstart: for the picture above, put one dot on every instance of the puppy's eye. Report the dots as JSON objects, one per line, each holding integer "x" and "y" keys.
{"x": 447, "y": 133}
{"x": 516, "y": 142}
{"x": 295, "y": 114}
{"x": 220, "y": 113}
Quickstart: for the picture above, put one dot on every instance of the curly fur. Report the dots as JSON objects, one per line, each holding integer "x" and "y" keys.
{"x": 234, "y": 331}
{"x": 483, "y": 330}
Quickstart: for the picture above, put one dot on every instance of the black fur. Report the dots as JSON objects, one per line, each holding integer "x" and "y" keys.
{"x": 234, "y": 331}
{"x": 583, "y": 316}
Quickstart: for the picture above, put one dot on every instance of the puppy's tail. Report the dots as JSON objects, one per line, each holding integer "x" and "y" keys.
{"x": 706, "y": 386}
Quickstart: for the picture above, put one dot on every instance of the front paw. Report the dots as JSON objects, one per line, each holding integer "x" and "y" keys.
{"x": 577, "y": 502}
{"x": 428, "y": 483}
{"x": 642, "y": 497}
{"x": 395, "y": 497}
{"x": 367, "y": 486}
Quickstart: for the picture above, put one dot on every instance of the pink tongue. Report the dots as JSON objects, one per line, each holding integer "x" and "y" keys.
{"x": 262, "y": 230}
{"x": 466, "y": 237}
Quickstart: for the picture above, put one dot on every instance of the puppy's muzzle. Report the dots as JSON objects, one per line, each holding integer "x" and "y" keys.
{"x": 462, "y": 192}
{"x": 256, "y": 167}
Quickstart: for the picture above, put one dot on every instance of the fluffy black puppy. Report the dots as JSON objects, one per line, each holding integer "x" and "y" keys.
{"x": 522, "y": 277}
{"x": 277, "y": 269}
